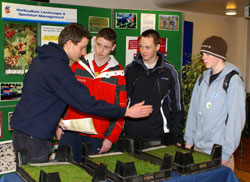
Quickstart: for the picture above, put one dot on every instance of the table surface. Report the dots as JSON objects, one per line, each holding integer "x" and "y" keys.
{"x": 221, "y": 174}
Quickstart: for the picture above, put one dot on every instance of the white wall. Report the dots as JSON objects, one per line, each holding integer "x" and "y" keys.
{"x": 234, "y": 30}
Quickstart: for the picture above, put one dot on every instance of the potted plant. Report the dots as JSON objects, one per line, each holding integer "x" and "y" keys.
{"x": 190, "y": 73}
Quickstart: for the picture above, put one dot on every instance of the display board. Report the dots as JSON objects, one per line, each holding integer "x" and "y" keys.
{"x": 20, "y": 38}
{"x": 168, "y": 24}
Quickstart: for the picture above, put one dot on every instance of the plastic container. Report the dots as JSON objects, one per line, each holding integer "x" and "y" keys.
{"x": 64, "y": 154}
{"x": 126, "y": 171}
{"x": 183, "y": 162}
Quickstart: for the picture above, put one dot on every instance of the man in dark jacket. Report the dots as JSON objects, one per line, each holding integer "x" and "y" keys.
{"x": 151, "y": 78}
{"x": 49, "y": 86}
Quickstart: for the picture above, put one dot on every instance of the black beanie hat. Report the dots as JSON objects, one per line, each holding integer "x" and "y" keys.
{"x": 215, "y": 46}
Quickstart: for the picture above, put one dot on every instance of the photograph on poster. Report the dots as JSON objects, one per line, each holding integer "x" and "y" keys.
{"x": 11, "y": 91}
{"x": 169, "y": 22}
{"x": 9, "y": 117}
{"x": 1, "y": 124}
{"x": 126, "y": 20}
{"x": 97, "y": 23}
{"x": 19, "y": 47}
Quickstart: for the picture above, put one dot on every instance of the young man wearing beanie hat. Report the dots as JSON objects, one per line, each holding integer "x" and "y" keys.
{"x": 216, "y": 115}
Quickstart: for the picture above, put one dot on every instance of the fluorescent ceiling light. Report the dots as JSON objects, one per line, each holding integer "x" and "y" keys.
{"x": 231, "y": 12}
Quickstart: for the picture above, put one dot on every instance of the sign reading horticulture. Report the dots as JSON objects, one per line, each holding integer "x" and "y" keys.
{"x": 37, "y": 14}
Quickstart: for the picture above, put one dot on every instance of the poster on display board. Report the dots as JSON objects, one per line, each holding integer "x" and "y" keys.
{"x": 147, "y": 21}
{"x": 38, "y": 14}
{"x": 169, "y": 22}
{"x": 97, "y": 23}
{"x": 126, "y": 20}
{"x": 50, "y": 34}
{"x": 133, "y": 47}
{"x": 19, "y": 47}
{"x": 11, "y": 91}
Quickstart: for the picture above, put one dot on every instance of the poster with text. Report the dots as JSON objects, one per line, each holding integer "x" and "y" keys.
{"x": 19, "y": 47}
{"x": 169, "y": 22}
{"x": 11, "y": 91}
{"x": 126, "y": 20}
{"x": 97, "y": 23}
{"x": 133, "y": 47}
{"x": 50, "y": 34}
{"x": 147, "y": 21}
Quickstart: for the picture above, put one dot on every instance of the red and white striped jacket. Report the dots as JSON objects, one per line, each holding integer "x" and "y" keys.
{"x": 109, "y": 85}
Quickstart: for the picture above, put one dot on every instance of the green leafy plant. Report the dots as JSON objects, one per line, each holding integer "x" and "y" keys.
{"x": 190, "y": 73}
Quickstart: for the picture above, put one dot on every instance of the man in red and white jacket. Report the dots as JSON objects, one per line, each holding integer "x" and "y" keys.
{"x": 105, "y": 79}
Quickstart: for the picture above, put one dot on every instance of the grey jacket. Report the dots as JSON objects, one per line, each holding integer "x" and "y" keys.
{"x": 216, "y": 116}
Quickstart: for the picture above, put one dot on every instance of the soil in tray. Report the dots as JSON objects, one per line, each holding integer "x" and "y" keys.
{"x": 171, "y": 149}
{"x": 142, "y": 167}
{"x": 68, "y": 172}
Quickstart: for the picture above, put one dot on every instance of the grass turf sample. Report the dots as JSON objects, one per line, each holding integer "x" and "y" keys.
{"x": 172, "y": 149}
{"x": 67, "y": 172}
{"x": 142, "y": 167}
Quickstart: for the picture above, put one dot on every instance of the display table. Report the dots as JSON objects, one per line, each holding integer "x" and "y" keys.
{"x": 222, "y": 174}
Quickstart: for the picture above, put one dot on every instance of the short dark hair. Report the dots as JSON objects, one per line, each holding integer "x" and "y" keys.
{"x": 108, "y": 34}
{"x": 152, "y": 33}
{"x": 74, "y": 32}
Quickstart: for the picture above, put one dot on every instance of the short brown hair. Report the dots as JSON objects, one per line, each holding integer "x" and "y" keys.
{"x": 74, "y": 32}
{"x": 108, "y": 34}
{"x": 152, "y": 33}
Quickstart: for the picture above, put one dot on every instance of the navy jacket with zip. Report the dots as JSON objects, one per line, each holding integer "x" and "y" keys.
{"x": 161, "y": 88}
{"x": 49, "y": 86}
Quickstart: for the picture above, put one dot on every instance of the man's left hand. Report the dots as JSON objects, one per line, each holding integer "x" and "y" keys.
{"x": 106, "y": 146}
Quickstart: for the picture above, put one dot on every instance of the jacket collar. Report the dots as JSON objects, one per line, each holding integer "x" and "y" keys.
{"x": 111, "y": 63}
{"x": 159, "y": 64}
{"x": 227, "y": 69}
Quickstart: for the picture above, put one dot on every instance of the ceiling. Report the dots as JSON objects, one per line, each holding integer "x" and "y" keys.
{"x": 216, "y": 7}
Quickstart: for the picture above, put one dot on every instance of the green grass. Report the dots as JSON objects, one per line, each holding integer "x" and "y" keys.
{"x": 142, "y": 167}
{"x": 171, "y": 149}
{"x": 68, "y": 173}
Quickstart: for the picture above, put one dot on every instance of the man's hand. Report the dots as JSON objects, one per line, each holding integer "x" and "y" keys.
{"x": 224, "y": 163}
{"x": 139, "y": 110}
{"x": 189, "y": 146}
{"x": 106, "y": 146}
{"x": 59, "y": 133}
{"x": 178, "y": 144}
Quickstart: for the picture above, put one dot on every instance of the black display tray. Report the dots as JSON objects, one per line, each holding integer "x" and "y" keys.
{"x": 183, "y": 162}
{"x": 64, "y": 154}
{"x": 126, "y": 172}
